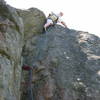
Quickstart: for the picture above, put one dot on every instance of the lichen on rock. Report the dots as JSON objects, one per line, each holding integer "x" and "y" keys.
{"x": 33, "y": 20}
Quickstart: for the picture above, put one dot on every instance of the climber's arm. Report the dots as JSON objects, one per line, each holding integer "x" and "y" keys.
{"x": 64, "y": 24}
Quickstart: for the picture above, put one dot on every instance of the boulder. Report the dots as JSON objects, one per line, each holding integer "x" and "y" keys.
{"x": 33, "y": 20}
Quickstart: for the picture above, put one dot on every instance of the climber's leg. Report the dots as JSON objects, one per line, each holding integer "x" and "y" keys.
{"x": 48, "y": 23}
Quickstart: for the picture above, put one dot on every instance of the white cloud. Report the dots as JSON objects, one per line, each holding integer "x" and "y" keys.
{"x": 79, "y": 14}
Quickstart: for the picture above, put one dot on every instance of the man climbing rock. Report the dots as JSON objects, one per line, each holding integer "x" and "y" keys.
{"x": 53, "y": 18}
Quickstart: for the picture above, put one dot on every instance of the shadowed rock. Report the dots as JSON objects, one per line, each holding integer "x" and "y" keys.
{"x": 71, "y": 60}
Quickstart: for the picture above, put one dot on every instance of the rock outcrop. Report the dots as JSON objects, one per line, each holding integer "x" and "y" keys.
{"x": 65, "y": 63}
{"x": 33, "y": 20}
{"x": 12, "y": 40}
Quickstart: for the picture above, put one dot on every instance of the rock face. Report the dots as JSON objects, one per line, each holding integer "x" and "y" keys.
{"x": 12, "y": 39}
{"x": 65, "y": 63}
{"x": 33, "y": 20}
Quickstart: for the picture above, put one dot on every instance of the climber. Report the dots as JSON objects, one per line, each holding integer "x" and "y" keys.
{"x": 53, "y": 18}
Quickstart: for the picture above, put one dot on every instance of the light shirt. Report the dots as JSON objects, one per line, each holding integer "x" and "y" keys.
{"x": 59, "y": 19}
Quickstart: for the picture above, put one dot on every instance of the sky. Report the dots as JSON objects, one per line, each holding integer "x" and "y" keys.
{"x": 82, "y": 15}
